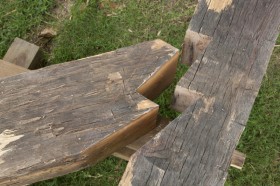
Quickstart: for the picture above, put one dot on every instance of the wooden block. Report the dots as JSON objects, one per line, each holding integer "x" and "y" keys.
{"x": 238, "y": 160}
{"x": 24, "y": 54}
{"x": 220, "y": 87}
{"x": 66, "y": 117}
{"x": 9, "y": 69}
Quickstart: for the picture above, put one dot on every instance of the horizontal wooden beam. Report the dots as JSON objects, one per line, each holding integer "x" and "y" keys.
{"x": 79, "y": 112}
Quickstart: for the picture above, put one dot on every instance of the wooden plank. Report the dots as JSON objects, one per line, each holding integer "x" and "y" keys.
{"x": 237, "y": 160}
{"x": 65, "y": 117}
{"x": 220, "y": 88}
{"x": 24, "y": 54}
{"x": 9, "y": 69}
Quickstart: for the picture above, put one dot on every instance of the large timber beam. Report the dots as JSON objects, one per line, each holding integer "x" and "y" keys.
{"x": 65, "y": 117}
{"x": 237, "y": 160}
{"x": 229, "y": 43}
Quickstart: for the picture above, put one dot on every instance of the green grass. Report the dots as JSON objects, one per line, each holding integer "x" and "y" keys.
{"x": 99, "y": 28}
{"x": 103, "y": 26}
{"x": 105, "y": 173}
{"x": 18, "y": 18}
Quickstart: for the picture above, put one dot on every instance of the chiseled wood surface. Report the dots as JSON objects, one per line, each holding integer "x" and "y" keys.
{"x": 24, "y": 54}
{"x": 219, "y": 90}
{"x": 65, "y": 117}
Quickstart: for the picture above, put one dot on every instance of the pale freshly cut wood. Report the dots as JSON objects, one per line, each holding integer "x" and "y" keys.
{"x": 65, "y": 117}
{"x": 9, "y": 69}
{"x": 220, "y": 88}
{"x": 24, "y": 54}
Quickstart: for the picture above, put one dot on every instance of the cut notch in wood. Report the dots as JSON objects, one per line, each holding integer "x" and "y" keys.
{"x": 9, "y": 69}
{"x": 197, "y": 147}
{"x": 86, "y": 143}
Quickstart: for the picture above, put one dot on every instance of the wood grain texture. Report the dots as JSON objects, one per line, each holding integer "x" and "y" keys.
{"x": 126, "y": 152}
{"x": 24, "y": 54}
{"x": 237, "y": 160}
{"x": 9, "y": 69}
{"x": 65, "y": 117}
{"x": 196, "y": 148}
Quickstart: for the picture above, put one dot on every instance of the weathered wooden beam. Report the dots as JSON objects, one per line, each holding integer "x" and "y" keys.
{"x": 24, "y": 54}
{"x": 237, "y": 160}
{"x": 223, "y": 82}
{"x": 65, "y": 117}
{"x": 182, "y": 100}
{"x": 126, "y": 152}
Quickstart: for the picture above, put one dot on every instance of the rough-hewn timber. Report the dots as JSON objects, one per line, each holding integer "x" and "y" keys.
{"x": 237, "y": 160}
{"x": 24, "y": 54}
{"x": 223, "y": 82}
{"x": 65, "y": 117}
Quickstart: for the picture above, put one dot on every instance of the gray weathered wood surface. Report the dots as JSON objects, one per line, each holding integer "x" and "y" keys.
{"x": 65, "y": 117}
{"x": 237, "y": 160}
{"x": 218, "y": 90}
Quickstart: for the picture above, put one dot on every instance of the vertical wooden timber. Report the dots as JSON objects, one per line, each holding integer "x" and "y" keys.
{"x": 220, "y": 88}
{"x": 65, "y": 117}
